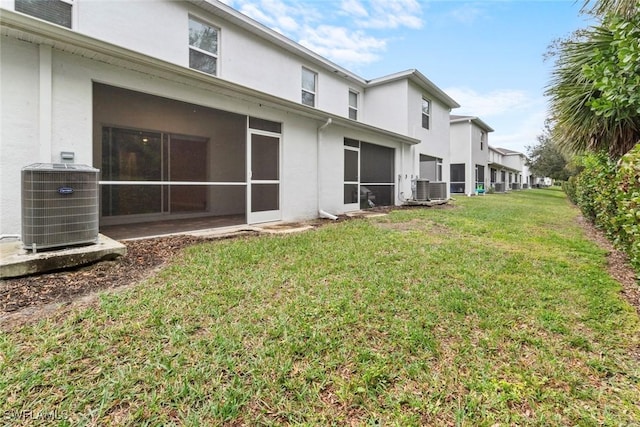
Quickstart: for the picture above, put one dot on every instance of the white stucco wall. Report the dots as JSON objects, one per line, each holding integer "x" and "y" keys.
{"x": 460, "y": 144}
{"x": 435, "y": 140}
{"x": 159, "y": 28}
{"x": 19, "y": 125}
{"x": 387, "y": 106}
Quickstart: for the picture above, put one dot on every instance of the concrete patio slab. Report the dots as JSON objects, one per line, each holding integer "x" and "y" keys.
{"x": 15, "y": 261}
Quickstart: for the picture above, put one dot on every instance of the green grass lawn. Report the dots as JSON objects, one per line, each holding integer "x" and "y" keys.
{"x": 497, "y": 310}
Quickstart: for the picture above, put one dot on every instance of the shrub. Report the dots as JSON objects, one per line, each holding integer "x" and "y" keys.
{"x": 609, "y": 196}
{"x": 595, "y": 190}
{"x": 569, "y": 187}
{"x": 627, "y": 197}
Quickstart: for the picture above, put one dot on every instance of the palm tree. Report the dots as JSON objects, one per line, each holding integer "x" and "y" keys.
{"x": 625, "y": 8}
{"x": 586, "y": 107}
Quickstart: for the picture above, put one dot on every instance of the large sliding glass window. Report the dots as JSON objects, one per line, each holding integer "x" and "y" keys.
{"x": 140, "y": 160}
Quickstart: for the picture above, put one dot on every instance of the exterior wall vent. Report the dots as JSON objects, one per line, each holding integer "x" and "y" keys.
{"x": 422, "y": 189}
{"x": 59, "y": 205}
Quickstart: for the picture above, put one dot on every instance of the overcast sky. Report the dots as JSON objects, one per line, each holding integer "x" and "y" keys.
{"x": 487, "y": 55}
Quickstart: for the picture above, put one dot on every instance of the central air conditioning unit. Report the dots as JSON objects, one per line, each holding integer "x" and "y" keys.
{"x": 422, "y": 189}
{"x": 59, "y": 205}
{"x": 499, "y": 187}
{"x": 437, "y": 190}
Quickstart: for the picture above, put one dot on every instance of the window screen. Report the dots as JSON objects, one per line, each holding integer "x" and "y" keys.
{"x": 457, "y": 172}
{"x": 376, "y": 164}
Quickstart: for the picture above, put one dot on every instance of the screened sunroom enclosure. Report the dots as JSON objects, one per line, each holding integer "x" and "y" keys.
{"x": 368, "y": 175}
{"x": 163, "y": 159}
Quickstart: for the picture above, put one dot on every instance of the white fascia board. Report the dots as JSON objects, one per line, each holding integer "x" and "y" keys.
{"x": 26, "y": 28}
{"x": 477, "y": 120}
{"x": 231, "y": 15}
{"x": 421, "y": 80}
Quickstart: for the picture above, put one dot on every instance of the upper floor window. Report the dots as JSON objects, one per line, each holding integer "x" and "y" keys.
{"x": 426, "y": 112}
{"x": 203, "y": 46}
{"x": 353, "y": 105}
{"x": 482, "y": 139}
{"x": 54, "y": 11}
{"x": 309, "y": 83}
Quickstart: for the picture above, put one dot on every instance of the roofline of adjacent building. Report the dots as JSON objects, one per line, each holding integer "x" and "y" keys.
{"x": 34, "y": 30}
{"x": 474, "y": 119}
{"x": 506, "y": 152}
{"x": 421, "y": 80}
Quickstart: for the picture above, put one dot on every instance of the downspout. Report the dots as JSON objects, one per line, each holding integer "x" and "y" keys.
{"x": 472, "y": 168}
{"x": 321, "y": 212}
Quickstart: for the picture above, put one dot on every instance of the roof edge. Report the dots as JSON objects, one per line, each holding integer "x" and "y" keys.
{"x": 238, "y": 18}
{"x": 421, "y": 80}
{"x": 477, "y": 120}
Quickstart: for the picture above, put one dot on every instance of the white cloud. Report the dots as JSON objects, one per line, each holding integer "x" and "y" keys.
{"x": 354, "y": 8}
{"x": 255, "y": 11}
{"x": 341, "y": 45}
{"x": 466, "y": 14}
{"x": 516, "y": 115}
{"x": 488, "y": 104}
{"x": 384, "y": 14}
{"x": 518, "y": 132}
{"x": 360, "y": 40}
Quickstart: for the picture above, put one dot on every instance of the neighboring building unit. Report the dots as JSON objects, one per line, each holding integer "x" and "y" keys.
{"x": 508, "y": 170}
{"x": 469, "y": 155}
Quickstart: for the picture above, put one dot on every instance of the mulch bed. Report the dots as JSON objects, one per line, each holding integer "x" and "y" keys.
{"x": 27, "y": 299}
{"x": 142, "y": 258}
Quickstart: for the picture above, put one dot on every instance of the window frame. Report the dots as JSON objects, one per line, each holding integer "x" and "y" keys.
{"x": 426, "y": 116}
{"x": 313, "y": 92}
{"x": 202, "y": 51}
{"x": 353, "y": 108}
